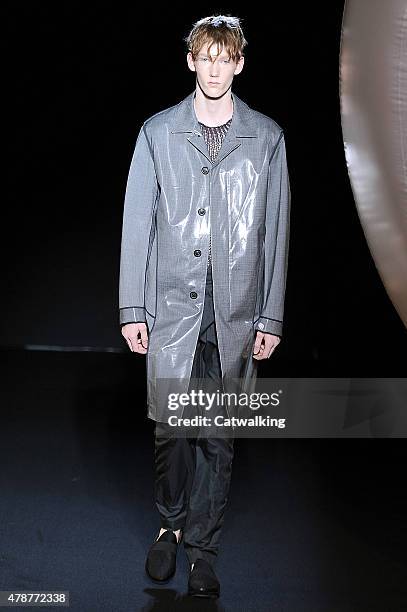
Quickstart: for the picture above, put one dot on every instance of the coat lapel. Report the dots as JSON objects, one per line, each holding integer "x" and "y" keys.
{"x": 242, "y": 126}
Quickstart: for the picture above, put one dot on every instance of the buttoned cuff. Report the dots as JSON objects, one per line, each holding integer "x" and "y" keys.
{"x": 270, "y": 326}
{"x": 132, "y": 314}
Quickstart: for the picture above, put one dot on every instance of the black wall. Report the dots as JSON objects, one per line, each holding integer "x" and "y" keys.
{"x": 82, "y": 79}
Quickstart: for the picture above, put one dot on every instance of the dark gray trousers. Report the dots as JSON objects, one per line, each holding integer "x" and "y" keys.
{"x": 193, "y": 474}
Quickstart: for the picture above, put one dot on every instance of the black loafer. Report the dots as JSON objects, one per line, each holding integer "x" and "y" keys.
{"x": 162, "y": 557}
{"x": 202, "y": 580}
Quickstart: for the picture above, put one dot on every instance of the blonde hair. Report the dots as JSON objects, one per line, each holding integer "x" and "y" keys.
{"x": 222, "y": 30}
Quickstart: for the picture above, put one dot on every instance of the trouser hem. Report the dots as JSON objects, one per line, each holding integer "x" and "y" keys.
{"x": 174, "y": 524}
{"x": 193, "y": 554}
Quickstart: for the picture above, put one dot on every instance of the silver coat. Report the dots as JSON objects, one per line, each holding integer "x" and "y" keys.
{"x": 175, "y": 196}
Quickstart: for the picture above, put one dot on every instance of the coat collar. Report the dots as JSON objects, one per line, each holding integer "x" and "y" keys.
{"x": 242, "y": 126}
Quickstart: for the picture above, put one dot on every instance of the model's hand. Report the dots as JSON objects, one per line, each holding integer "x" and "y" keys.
{"x": 265, "y": 345}
{"x": 136, "y": 337}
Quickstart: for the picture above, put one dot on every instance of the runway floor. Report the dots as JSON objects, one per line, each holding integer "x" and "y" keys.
{"x": 318, "y": 525}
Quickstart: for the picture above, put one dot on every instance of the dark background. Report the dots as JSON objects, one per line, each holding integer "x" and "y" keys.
{"x": 83, "y": 79}
{"x": 311, "y": 524}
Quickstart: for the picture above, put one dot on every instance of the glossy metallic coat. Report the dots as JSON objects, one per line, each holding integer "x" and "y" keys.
{"x": 174, "y": 197}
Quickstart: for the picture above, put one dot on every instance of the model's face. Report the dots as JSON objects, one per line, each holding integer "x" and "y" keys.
{"x": 214, "y": 74}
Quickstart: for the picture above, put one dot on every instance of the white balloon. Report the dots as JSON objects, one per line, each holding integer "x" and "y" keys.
{"x": 373, "y": 95}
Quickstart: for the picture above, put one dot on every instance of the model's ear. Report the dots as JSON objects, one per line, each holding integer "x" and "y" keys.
{"x": 190, "y": 61}
{"x": 239, "y": 66}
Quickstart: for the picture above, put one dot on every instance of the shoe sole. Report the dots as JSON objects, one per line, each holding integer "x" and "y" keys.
{"x": 159, "y": 581}
{"x": 203, "y": 595}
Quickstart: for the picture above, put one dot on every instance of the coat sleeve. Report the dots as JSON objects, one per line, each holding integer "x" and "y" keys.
{"x": 138, "y": 219}
{"x": 276, "y": 241}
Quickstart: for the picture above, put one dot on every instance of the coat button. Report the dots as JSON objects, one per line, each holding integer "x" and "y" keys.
{"x": 193, "y": 295}
{"x": 201, "y": 211}
{"x": 197, "y": 253}
{"x": 205, "y": 170}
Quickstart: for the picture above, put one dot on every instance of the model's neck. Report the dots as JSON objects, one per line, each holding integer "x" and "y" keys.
{"x": 213, "y": 112}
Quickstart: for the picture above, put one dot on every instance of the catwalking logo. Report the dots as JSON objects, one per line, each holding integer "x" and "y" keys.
{"x": 221, "y": 421}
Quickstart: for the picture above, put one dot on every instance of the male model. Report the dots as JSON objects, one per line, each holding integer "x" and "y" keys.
{"x": 202, "y": 280}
